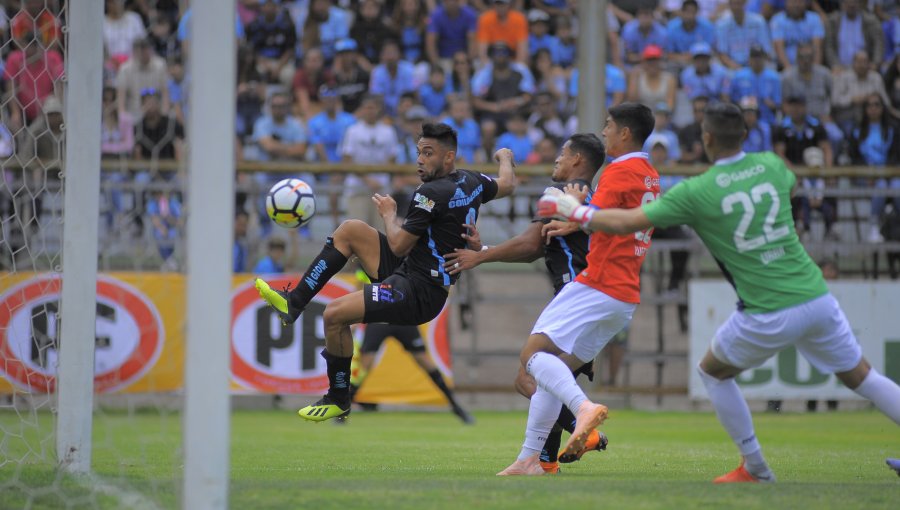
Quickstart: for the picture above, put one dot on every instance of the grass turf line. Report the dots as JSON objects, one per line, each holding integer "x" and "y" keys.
{"x": 429, "y": 460}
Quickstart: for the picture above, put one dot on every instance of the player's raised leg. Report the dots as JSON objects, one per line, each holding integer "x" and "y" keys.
{"x": 352, "y": 237}
{"x": 339, "y": 315}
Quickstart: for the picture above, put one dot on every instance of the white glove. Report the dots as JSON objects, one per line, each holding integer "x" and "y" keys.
{"x": 565, "y": 208}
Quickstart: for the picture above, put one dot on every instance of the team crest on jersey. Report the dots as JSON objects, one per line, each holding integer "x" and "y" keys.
{"x": 423, "y": 202}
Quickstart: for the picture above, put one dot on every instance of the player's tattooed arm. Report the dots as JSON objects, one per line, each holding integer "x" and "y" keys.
{"x": 506, "y": 179}
{"x": 400, "y": 241}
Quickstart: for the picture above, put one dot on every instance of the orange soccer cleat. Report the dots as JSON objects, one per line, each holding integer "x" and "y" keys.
{"x": 596, "y": 441}
{"x": 550, "y": 468}
{"x": 741, "y": 475}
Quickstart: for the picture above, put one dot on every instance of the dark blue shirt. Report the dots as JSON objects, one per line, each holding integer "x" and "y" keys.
{"x": 452, "y": 33}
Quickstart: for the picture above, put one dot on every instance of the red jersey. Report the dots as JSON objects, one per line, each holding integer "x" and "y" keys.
{"x": 614, "y": 261}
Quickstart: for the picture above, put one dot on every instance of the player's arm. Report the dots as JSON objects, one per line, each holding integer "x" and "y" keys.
{"x": 400, "y": 240}
{"x": 525, "y": 247}
{"x": 506, "y": 179}
{"x": 612, "y": 221}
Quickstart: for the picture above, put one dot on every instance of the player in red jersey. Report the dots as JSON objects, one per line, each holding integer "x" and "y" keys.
{"x": 586, "y": 314}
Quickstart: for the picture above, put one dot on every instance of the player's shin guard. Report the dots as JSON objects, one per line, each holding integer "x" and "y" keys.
{"x": 327, "y": 264}
{"x": 338, "y": 378}
{"x": 542, "y": 412}
{"x": 883, "y": 392}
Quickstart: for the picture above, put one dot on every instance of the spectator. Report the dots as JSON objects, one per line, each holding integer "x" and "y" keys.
{"x": 502, "y": 24}
{"x": 649, "y": 84}
{"x": 274, "y": 39}
{"x": 796, "y": 133}
{"x": 759, "y": 132}
{"x": 851, "y": 88}
{"x": 892, "y": 82}
{"x": 239, "y": 251}
{"x": 121, "y": 29}
{"x": 689, "y": 137}
{"x": 161, "y": 37}
{"x": 157, "y": 135}
{"x": 327, "y": 128}
{"x": 641, "y": 32}
{"x": 811, "y": 80}
{"x": 408, "y": 129}
{"x": 407, "y": 101}
{"x": 461, "y": 75}
{"x": 686, "y": 30}
{"x": 308, "y": 80}
{"x": 545, "y": 121}
{"x": 760, "y": 82}
{"x": 165, "y": 213}
{"x": 410, "y": 19}
{"x": 117, "y": 132}
{"x": 663, "y": 129}
{"x": 500, "y": 90}
{"x": 549, "y": 78}
{"x": 144, "y": 70}
{"x": 251, "y": 92}
{"x": 368, "y": 142}
{"x": 273, "y": 262}
{"x": 544, "y": 153}
{"x": 36, "y": 18}
{"x": 796, "y": 26}
{"x": 370, "y": 32}
{"x": 567, "y": 46}
{"x": 616, "y": 86}
{"x": 349, "y": 79}
{"x": 539, "y": 36}
{"x": 703, "y": 77}
{"x": 178, "y": 88}
{"x": 392, "y": 76}
{"x": 713, "y": 10}
{"x": 42, "y": 150}
{"x": 468, "y": 133}
{"x": 434, "y": 93}
{"x": 451, "y": 30}
{"x": 324, "y": 27}
{"x": 184, "y": 30}
{"x": 280, "y": 135}
{"x": 658, "y": 148}
{"x": 737, "y": 32}
{"x": 850, "y": 31}
{"x": 32, "y": 74}
{"x": 516, "y": 138}
{"x": 875, "y": 142}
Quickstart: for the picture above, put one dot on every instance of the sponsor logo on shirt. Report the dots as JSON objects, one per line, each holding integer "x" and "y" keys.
{"x": 724, "y": 179}
{"x": 651, "y": 182}
{"x": 423, "y": 202}
{"x": 465, "y": 200}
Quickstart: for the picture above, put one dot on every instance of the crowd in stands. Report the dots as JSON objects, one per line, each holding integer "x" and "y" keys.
{"x": 352, "y": 81}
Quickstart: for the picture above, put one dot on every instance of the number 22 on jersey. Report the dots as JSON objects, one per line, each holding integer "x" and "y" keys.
{"x": 748, "y": 203}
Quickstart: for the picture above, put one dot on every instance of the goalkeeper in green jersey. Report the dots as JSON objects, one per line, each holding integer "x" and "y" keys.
{"x": 741, "y": 209}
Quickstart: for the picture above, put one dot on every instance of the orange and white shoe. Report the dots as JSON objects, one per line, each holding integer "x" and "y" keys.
{"x": 550, "y": 468}
{"x": 596, "y": 441}
{"x": 589, "y": 417}
{"x": 529, "y": 466}
{"x": 741, "y": 475}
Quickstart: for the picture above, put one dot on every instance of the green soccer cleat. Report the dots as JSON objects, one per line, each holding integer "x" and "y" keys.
{"x": 324, "y": 409}
{"x": 279, "y": 301}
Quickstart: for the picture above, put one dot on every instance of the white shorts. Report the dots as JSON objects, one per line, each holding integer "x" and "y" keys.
{"x": 581, "y": 320}
{"x": 818, "y": 329}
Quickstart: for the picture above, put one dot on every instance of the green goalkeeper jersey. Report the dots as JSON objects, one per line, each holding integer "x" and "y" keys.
{"x": 741, "y": 209}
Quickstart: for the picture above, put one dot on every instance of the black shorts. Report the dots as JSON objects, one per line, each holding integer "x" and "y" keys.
{"x": 387, "y": 261}
{"x": 408, "y": 336}
{"x": 402, "y": 300}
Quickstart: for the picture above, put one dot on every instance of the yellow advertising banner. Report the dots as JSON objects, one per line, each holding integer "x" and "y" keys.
{"x": 139, "y": 341}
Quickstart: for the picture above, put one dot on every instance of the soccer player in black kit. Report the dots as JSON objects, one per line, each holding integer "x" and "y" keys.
{"x": 578, "y": 161}
{"x": 406, "y": 260}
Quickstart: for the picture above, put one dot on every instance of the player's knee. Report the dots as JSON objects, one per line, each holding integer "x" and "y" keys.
{"x": 334, "y": 314}
{"x": 348, "y": 229}
{"x": 855, "y": 376}
{"x": 525, "y": 384}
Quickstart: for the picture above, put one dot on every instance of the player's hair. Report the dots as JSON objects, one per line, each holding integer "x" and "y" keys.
{"x": 725, "y": 122}
{"x": 444, "y": 134}
{"x": 637, "y": 118}
{"x": 589, "y": 146}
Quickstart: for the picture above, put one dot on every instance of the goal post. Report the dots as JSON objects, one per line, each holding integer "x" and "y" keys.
{"x": 75, "y": 376}
{"x": 209, "y": 250}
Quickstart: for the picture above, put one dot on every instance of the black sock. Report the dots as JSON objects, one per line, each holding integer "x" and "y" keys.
{"x": 323, "y": 267}
{"x": 338, "y": 377}
{"x": 551, "y": 445}
{"x": 566, "y": 420}
{"x": 442, "y": 385}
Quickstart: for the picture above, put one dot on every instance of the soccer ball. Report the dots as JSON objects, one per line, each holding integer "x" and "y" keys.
{"x": 291, "y": 203}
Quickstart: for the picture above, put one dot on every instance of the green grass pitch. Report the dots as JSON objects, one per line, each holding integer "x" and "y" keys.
{"x": 424, "y": 460}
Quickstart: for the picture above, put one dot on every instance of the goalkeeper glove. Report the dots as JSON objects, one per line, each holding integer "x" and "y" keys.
{"x": 564, "y": 207}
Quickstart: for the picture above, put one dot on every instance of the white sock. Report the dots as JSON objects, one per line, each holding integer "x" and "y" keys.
{"x": 542, "y": 413}
{"x": 554, "y": 376}
{"x": 883, "y": 392}
{"x": 734, "y": 415}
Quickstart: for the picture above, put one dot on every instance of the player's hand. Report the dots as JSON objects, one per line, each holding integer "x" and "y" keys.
{"x": 385, "y": 204}
{"x": 558, "y": 228}
{"x": 504, "y": 155}
{"x": 472, "y": 237}
{"x": 564, "y": 207}
{"x": 578, "y": 191}
{"x": 460, "y": 260}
